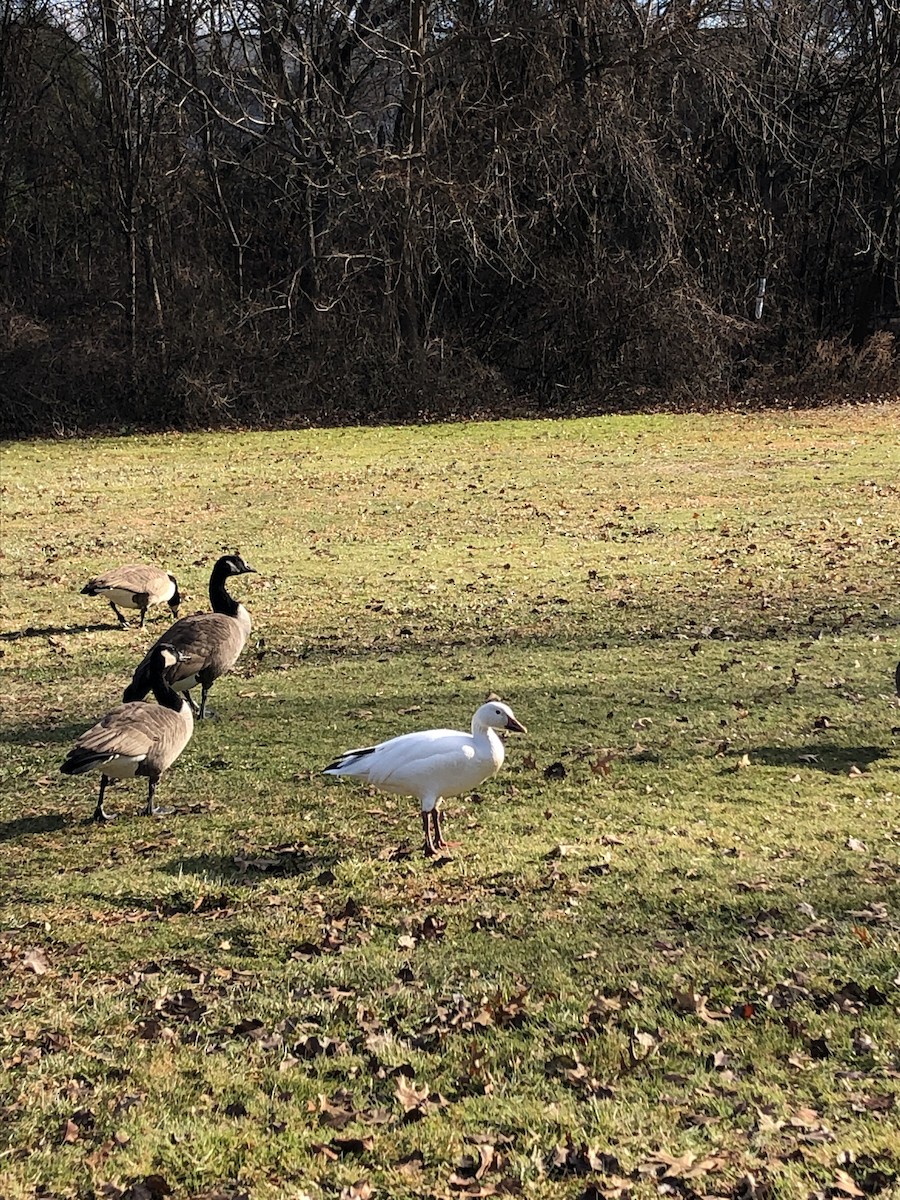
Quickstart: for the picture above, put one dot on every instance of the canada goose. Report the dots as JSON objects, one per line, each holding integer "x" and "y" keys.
{"x": 210, "y": 643}
{"x": 135, "y": 586}
{"x": 433, "y": 764}
{"x": 137, "y": 738}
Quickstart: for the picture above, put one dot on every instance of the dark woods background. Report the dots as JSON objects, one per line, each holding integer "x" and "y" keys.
{"x": 291, "y": 211}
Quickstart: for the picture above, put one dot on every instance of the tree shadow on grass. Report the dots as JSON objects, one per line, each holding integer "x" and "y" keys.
{"x": 686, "y": 633}
{"x": 837, "y": 760}
{"x": 42, "y": 823}
{"x": 13, "y": 635}
{"x": 37, "y": 735}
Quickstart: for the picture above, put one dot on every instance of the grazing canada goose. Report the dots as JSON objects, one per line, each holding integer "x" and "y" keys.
{"x": 137, "y": 738}
{"x": 433, "y": 764}
{"x": 209, "y": 643}
{"x": 135, "y": 586}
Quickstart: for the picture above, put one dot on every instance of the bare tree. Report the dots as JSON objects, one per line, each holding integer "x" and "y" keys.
{"x": 295, "y": 210}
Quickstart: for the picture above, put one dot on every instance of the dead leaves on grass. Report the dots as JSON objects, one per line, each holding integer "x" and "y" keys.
{"x": 417, "y": 1102}
{"x": 469, "y": 1178}
{"x": 571, "y": 1071}
{"x": 145, "y": 1187}
{"x": 461, "y": 1016}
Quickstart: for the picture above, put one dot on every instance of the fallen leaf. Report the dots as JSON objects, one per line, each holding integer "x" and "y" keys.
{"x": 411, "y": 1166}
{"x": 36, "y": 960}
{"x": 580, "y": 1159}
{"x": 642, "y": 1044}
{"x": 410, "y": 1097}
{"x": 361, "y": 1190}
{"x": 603, "y": 764}
{"x": 846, "y": 1185}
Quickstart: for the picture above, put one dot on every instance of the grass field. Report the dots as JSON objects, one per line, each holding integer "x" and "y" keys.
{"x": 665, "y": 959}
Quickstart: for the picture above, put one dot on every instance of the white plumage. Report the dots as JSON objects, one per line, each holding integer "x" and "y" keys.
{"x": 433, "y": 763}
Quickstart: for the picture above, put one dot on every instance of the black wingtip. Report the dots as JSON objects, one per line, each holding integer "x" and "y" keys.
{"x": 350, "y": 756}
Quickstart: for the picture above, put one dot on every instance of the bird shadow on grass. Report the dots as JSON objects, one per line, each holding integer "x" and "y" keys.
{"x": 43, "y": 823}
{"x": 254, "y": 867}
{"x": 837, "y": 760}
{"x": 13, "y": 635}
{"x": 42, "y": 735}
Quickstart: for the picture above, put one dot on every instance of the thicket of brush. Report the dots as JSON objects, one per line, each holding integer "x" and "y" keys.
{"x": 294, "y": 213}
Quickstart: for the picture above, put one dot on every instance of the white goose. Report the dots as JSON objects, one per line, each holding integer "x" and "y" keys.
{"x": 433, "y": 764}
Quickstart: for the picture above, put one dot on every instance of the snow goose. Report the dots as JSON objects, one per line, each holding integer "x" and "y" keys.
{"x": 138, "y": 738}
{"x": 210, "y": 643}
{"x": 135, "y": 586}
{"x": 433, "y": 764}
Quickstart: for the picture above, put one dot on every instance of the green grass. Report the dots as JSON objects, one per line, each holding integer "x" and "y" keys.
{"x": 272, "y": 993}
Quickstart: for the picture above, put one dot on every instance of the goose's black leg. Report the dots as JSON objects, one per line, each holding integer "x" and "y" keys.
{"x": 439, "y": 839}
{"x": 123, "y": 621}
{"x": 100, "y": 813}
{"x": 191, "y": 705}
{"x": 436, "y": 828}
{"x": 204, "y": 692}
{"x": 151, "y": 810}
{"x": 143, "y": 615}
{"x": 430, "y": 850}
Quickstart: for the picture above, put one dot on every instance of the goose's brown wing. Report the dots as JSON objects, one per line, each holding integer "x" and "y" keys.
{"x": 135, "y": 577}
{"x": 129, "y": 729}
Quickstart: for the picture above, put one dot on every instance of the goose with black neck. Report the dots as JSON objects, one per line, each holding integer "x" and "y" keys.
{"x": 137, "y": 739}
{"x": 210, "y": 643}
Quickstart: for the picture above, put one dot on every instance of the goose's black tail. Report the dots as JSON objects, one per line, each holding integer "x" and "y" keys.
{"x": 79, "y": 761}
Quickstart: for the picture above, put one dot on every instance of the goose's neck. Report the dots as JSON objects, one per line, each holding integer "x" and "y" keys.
{"x": 164, "y": 693}
{"x": 488, "y": 738}
{"x": 219, "y": 598}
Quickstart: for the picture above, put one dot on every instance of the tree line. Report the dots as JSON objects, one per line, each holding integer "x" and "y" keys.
{"x": 268, "y": 212}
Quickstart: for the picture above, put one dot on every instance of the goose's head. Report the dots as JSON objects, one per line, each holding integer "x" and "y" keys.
{"x": 168, "y": 656}
{"x": 233, "y": 564}
{"x": 497, "y": 715}
{"x": 174, "y": 601}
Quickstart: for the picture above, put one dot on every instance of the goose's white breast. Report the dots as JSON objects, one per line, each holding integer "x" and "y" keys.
{"x": 123, "y": 597}
{"x": 123, "y": 766}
